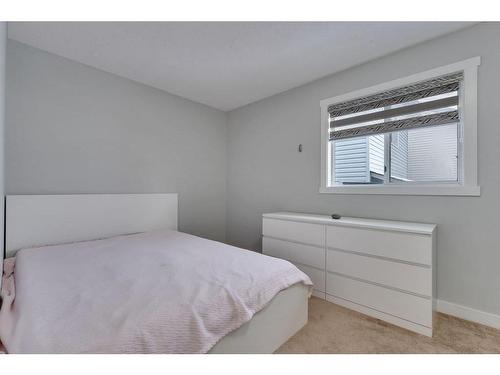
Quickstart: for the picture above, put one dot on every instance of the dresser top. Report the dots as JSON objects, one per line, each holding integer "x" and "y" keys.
{"x": 398, "y": 226}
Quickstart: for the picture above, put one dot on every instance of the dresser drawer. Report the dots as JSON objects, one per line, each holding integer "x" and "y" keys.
{"x": 317, "y": 276}
{"x": 399, "y": 304}
{"x": 312, "y": 234}
{"x": 408, "y": 247}
{"x": 407, "y": 277}
{"x": 294, "y": 252}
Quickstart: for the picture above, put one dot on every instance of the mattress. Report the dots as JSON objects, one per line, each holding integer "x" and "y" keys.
{"x": 155, "y": 292}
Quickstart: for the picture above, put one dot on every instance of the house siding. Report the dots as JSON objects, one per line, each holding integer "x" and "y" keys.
{"x": 399, "y": 156}
{"x": 418, "y": 155}
{"x": 351, "y": 160}
{"x": 432, "y": 153}
{"x": 377, "y": 153}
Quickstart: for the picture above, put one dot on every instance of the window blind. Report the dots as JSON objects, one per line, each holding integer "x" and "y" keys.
{"x": 428, "y": 103}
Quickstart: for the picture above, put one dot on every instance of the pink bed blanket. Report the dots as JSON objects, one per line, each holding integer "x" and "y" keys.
{"x": 155, "y": 292}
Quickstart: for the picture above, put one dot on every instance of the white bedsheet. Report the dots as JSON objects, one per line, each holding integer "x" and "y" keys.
{"x": 156, "y": 292}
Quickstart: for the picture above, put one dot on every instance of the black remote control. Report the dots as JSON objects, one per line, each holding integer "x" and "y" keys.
{"x": 336, "y": 216}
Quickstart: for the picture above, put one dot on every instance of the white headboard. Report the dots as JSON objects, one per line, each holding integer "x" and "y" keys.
{"x": 38, "y": 220}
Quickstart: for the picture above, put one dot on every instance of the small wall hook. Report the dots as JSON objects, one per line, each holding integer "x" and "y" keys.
{"x": 300, "y": 147}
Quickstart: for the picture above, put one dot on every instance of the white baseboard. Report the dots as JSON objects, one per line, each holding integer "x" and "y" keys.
{"x": 467, "y": 313}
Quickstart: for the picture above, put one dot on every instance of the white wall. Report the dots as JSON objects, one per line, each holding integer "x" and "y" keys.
{"x": 76, "y": 129}
{"x": 266, "y": 173}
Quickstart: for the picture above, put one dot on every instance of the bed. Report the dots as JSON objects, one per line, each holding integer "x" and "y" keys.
{"x": 234, "y": 301}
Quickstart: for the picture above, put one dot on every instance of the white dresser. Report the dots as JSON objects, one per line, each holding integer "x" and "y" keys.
{"x": 385, "y": 269}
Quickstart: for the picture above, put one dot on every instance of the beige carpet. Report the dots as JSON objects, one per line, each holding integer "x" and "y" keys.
{"x": 334, "y": 329}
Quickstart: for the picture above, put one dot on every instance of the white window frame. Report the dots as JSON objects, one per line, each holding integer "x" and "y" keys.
{"x": 467, "y": 171}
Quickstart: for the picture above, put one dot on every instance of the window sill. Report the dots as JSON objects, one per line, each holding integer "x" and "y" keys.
{"x": 455, "y": 190}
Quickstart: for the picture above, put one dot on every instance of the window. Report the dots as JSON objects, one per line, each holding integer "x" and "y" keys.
{"x": 416, "y": 135}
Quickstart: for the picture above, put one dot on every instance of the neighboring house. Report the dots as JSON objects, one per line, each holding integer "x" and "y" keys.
{"x": 433, "y": 154}
{"x": 427, "y": 154}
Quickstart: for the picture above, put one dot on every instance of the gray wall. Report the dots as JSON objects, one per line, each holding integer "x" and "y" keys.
{"x": 3, "y": 41}
{"x": 75, "y": 129}
{"x": 266, "y": 173}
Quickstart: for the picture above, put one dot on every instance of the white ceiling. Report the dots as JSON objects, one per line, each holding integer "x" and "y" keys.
{"x": 225, "y": 65}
